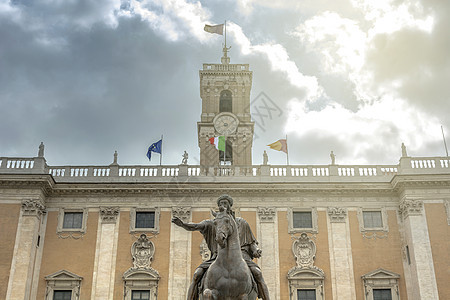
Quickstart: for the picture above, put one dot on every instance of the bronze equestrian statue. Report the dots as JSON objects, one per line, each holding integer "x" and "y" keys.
{"x": 248, "y": 247}
{"x": 228, "y": 277}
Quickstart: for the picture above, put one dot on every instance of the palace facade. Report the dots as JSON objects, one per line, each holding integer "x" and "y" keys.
{"x": 326, "y": 231}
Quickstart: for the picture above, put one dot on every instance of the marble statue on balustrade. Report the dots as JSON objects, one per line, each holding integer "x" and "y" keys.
{"x": 41, "y": 150}
{"x": 265, "y": 158}
{"x": 333, "y": 158}
{"x": 114, "y": 163}
{"x": 185, "y": 156}
{"x": 248, "y": 248}
{"x": 404, "y": 153}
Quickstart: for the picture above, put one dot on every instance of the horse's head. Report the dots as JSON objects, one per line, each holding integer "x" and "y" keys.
{"x": 224, "y": 227}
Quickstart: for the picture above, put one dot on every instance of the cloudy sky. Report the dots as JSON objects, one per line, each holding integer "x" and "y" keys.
{"x": 358, "y": 77}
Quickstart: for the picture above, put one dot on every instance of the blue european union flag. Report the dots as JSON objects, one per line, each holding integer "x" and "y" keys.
{"x": 155, "y": 147}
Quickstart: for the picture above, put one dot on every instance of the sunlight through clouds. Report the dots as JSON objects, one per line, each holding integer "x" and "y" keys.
{"x": 280, "y": 61}
{"x": 375, "y": 126}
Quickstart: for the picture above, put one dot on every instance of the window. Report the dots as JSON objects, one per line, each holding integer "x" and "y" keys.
{"x": 144, "y": 220}
{"x": 140, "y": 295}
{"x": 71, "y": 220}
{"x": 306, "y": 294}
{"x": 381, "y": 284}
{"x": 225, "y": 102}
{"x": 140, "y": 284}
{"x": 373, "y": 222}
{"x": 372, "y": 219}
{"x": 382, "y": 294}
{"x": 302, "y": 220}
{"x": 63, "y": 285}
{"x": 62, "y": 295}
{"x": 306, "y": 284}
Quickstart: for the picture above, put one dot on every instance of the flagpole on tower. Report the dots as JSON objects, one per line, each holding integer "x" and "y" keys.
{"x": 225, "y": 33}
{"x": 160, "y": 155}
{"x": 287, "y": 151}
{"x": 443, "y": 137}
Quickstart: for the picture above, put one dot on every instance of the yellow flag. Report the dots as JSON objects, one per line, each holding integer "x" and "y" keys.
{"x": 280, "y": 145}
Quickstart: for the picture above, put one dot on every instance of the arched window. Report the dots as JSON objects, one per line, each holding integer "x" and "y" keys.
{"x": 225, "y": 103}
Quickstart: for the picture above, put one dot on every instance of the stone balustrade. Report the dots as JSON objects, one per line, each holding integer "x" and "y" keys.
{"x": 223, "y": 67}
{"x": 291, "y": 173}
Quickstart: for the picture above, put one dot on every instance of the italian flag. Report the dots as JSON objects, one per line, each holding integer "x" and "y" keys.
{"x": 218, "y": 142}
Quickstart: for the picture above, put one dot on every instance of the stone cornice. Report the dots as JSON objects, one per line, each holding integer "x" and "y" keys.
{"x": 214, "y": 188}
{"x": 44, "y": 182}
{"x": 402, "y": 182}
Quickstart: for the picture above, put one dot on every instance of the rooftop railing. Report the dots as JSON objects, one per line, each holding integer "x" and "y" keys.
{"x": 224, "y": 67}
{"x": 279, "y": 173}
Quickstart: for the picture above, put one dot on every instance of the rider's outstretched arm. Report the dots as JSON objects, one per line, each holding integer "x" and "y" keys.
{"x": 188, "y": 226}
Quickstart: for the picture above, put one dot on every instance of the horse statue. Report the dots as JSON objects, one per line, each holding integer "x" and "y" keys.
{"x": 228, "y": 277}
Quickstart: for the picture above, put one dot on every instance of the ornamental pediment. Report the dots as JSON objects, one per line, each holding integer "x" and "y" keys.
{"x": 380, "y": 274}
{"x": 63, "y": 275}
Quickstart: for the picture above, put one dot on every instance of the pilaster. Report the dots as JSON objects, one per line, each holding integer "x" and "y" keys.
{"x": 105, "y": 254}
{"x": 341, "y": 260}
{"x": 267, "y": 226}
{"x": 179, "y": 255}
{"x": 422, "y": 283}
{"x": 25, "y": 250}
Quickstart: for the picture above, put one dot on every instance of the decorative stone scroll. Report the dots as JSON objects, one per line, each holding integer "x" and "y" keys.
{"x": 410, "y": 208}
{"x": 141, "y": 276}
{"x": 142, "y": 252}
{"x": 32, "y": 207}
{"x": 204, "y": 251}
{"x": 337, "y": 214}
{"x": 304, "y": 250}
{"x": 305, "y": 275}
{"x": 109, "y": 214}
{"x": 184, "y": 213}
{"x": 266, "y": 214}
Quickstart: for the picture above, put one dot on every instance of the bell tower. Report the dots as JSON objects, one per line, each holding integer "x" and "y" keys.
{"x": 225, "y": 93}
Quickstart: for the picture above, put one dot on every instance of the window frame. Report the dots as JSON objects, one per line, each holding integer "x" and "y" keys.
{"x": 306, "y": 279}
{"x": 307, "y": 289}
{"x": 384, "y": 219}
{"x": 135, "y": 210}
{"x": 62, "y": 211}
{"x": 140, "y": 290}
{"x": 63, "y": 281}
{"x": 381, "y": 279}
{"x": 292, "y": 229}
{"x": 60, "y": 290}
{"x": 140, "y": 280}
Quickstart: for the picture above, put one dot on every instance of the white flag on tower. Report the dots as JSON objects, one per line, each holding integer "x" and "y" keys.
{"x": 217, "y": 29}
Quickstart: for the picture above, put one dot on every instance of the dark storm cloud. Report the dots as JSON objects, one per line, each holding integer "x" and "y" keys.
{"x": 91, "y": 77}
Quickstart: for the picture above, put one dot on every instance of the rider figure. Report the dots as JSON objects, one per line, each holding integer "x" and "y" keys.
{"x": 248, "y": 242}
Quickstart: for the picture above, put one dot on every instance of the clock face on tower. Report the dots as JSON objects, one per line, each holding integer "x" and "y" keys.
{"x": 226, "y": 123}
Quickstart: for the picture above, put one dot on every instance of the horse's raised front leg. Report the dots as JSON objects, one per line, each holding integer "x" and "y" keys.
{"x": 210, "y": 294}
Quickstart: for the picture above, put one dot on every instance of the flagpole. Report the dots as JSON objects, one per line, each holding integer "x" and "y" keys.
{"x": 160, "y": 155}
{"x": 225, "y": 151}
{"x": 287, "y": 151}
{"x": 225, "y": 33}
{"x": 443, "y": 137}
